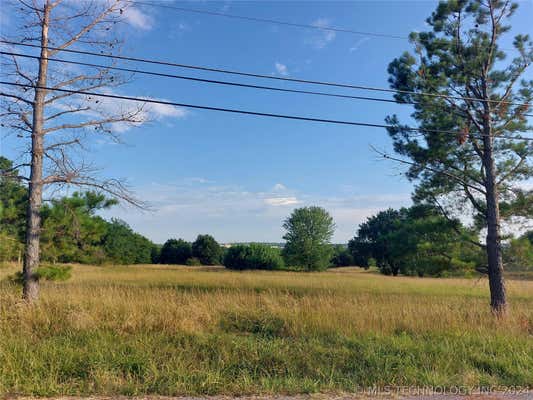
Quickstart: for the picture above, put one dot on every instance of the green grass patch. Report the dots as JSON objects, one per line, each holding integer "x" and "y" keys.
{"x": 188, "y": 331}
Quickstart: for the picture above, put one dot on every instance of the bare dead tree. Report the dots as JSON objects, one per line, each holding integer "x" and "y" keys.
{"x": 55, "y": 126}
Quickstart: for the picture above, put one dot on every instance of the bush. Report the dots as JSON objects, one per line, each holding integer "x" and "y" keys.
{"x": 56, "y": 273}
{"x": 207, "y": 250}
{"x": 253, "y": 256}
{"x": 175, "y": 252}
{"x": 342, "y": 257}
{"x": 193, "y": 262}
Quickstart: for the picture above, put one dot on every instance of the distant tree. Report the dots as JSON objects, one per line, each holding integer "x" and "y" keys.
{"x": 415, "y": 241}
{"x": 309, "y": 231}
{"x": 124, "y": 246}
{"x": 207, "y": 250}
{"x": 155, "y": 253}
{"x": 361, "y": 252}
{"x": 253, "y": 256}
{"x": 175, "y": 252}
{"x": 518, "y": 254}
{"x": 372, "y": 241}
{"x": 342, "y": 257}
{"x": 481, "y": 97}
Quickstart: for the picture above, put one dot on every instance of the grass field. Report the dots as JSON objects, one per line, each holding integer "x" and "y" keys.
{"x": 186, "y": 330}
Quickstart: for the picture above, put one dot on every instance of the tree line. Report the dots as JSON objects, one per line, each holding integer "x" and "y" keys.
{"x": 417, "y": 240}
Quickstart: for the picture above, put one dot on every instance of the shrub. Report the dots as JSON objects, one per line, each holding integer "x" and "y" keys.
{"x": 342, "y": 257}
{"x": 207, "y": 250}
{"x": 261, "y": 323}
{"x": 193, "y": 261}
{"x": 57, "y": 273}
{"x": 175, "y": 252}
{"x": 253, "y": 256}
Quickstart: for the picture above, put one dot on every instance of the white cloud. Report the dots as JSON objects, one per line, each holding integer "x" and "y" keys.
{"x": 137, "y": 19}
{"x": 358, "y": 44}
{"x": 282, "y": 201}
{"x": 232, "y": 213}
{"x": 282, "y": 69}
{"x": 326, "y": 36}
{"x": 102, "y": 107}
{"x": 165, "y": 110}
{"x": 279, "y": 187}
{"x": 196, "y": 179}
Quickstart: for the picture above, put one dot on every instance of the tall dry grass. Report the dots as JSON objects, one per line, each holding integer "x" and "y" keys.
{"x": 175, "y": 330}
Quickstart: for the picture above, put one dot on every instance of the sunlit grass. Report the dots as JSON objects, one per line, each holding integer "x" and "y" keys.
{"x": 176, "y": 330}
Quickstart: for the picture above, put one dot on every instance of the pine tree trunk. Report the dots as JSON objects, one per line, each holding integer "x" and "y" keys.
{"x": 33, "y": 218}
{"x": 498, "y": 297}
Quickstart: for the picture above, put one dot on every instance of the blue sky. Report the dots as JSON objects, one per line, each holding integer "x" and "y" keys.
{"x": 238, "y": 177}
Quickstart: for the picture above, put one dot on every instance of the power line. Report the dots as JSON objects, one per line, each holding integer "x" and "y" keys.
{"x": 255, "y": 113}
{"x": 262, "y": 76}
{"x": 270, "y": 21}
{"x": 218, "y": 82}
{"x": 273, "y": 21}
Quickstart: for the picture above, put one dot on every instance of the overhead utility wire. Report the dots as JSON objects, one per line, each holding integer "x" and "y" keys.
{"x": 262, "y": 76}
{"x": 190, "y": 78}
{"x": 271, "y": 21}
{"x": 255, "y": 113}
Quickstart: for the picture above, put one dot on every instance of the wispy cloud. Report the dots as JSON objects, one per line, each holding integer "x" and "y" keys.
{"x": 279, "y": 187}
{"x": 138, "y": 19}
{"x": 191, "y": 206}
{"x": 324, "y": 36}
{"x": 101, "y": 107}
{"x": 282, "y": 201}
{"x": 282, "y": 69}
{"x": 358, "y": 44}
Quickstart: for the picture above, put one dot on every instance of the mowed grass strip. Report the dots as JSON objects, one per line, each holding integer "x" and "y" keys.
{"x": 185, "y": 330}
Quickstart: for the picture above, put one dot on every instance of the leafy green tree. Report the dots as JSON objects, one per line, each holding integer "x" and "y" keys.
{"x": 416, "y": 241}
{"x": 13, "y": 201}
{"x": 124, "y": 246}
{"x": 361, "y": 251}
{"x": 71, "y": 232}
{"x": 253, "y": 256}
{"x": 175, "y": 252}
{"x": 155, "y": 253}
{"x": 372, "y": 242}
{"x": 10, "y": 247}
{"x": 207, "y": 250}
{"x": 483, "y": 98}
{"x": 309, "y": 231}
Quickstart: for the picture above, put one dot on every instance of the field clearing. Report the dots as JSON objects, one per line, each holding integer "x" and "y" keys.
{"x": 173, "y": 330}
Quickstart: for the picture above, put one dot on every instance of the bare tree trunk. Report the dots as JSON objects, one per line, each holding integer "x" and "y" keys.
{"x": 33, "y": 220}
{"x": 498, "y": 297}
